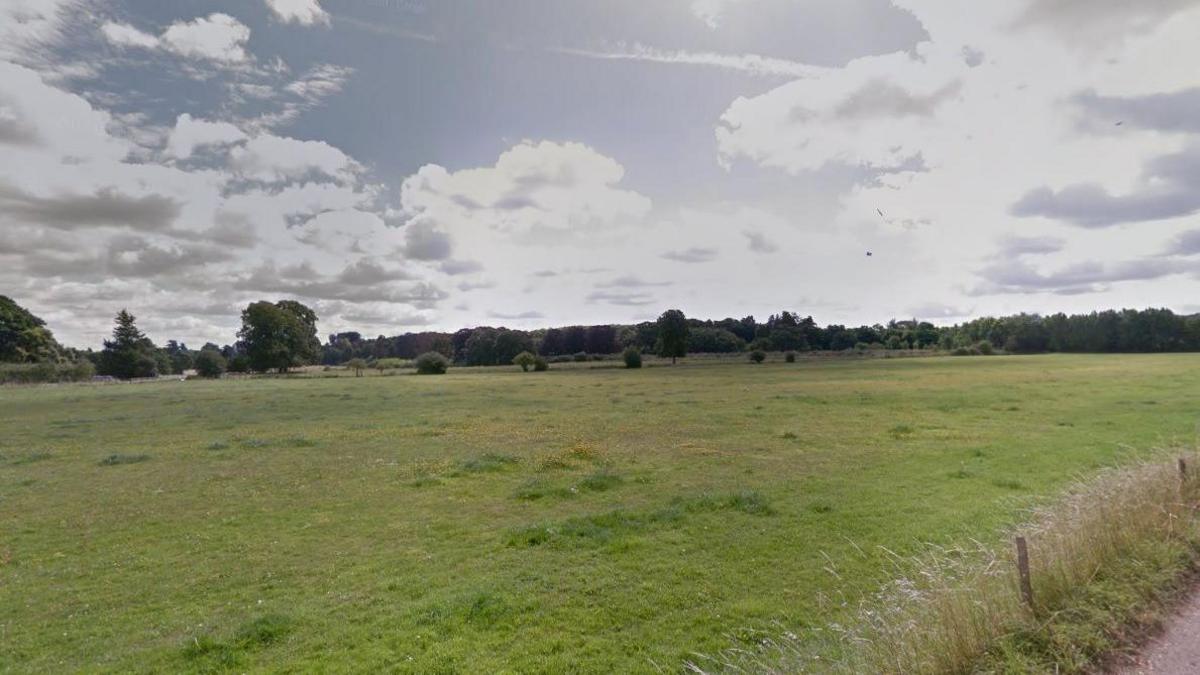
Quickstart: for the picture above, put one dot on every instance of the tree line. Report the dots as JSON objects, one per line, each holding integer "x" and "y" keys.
{"x": 278, "y": 336}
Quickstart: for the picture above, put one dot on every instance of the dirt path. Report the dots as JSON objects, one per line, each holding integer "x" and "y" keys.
{"x": 1177, "y": 650}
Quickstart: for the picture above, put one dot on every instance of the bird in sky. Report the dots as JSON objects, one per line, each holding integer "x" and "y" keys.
{"x": 869, "y": 254}
{"x": 1120, "y": 123}
{"x": 880, "y": 212}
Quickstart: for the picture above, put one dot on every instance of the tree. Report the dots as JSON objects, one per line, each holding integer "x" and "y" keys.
{"x": 209, "y": 363}
{"x": 600, "y": 339}
{"x": 758, "y": 356}
{"x": 23, "y": 336}
{"x": 357, "y": 365}
{"x": 279, "y": 336}
{"x": 672, "y": 334}
{"x": 633, "y": 357}
{"x": 525, "y": 360}
{"x": 431, "y": 363}
{"x": 129, "y": 353}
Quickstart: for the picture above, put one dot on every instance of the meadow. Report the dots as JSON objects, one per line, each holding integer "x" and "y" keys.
{"x": 582, "y": 519}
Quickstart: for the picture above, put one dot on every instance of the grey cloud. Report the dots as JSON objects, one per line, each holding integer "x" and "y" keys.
{"x": 423, "y": 241}
{"x": 623, "y": 299}
{"x": 759, "y": 242}
{"x": 453, "y": 267}
{"x": 1090, "y": 205}
{"x": 515, "y": 203}
{"x": 268, "y": 279}
{"x": 882, "y": 99}
{"x": 630, "y": 281}
{"x": 1186, "y": 243}
{"x": 475, "y": 285}
{"x": 1167, "y": 191}
{"x": 691, "y": 255}
{"x": 105, "y": 207}
{"x": 381, "y": 318}
{"x": 127, "y": 258}
{"x": 366, "y": 272}
{"x": 972, "y": 57}
{"x": 1085, "y": 277}
{"x": 1175, "y": 111}
{"x": 1012, "y": 247}
{"x": 512, "y": 317}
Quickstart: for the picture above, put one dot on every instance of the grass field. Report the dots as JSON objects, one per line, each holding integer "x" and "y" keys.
{"x": 577, "y": 520}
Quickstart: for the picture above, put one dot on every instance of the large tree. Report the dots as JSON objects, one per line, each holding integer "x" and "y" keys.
{"x": 672, "y": 334}
{"x": 278, "y": 336}
{"x": 24, "y": 337}
{"x": 129, "y": 353}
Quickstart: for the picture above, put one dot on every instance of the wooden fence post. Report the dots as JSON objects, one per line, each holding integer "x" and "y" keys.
{"x": 1182, "y": 468}
{"x": 1023, "y": 571}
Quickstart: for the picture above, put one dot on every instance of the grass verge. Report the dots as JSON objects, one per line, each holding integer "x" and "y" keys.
{"x": 1106, "y": 561}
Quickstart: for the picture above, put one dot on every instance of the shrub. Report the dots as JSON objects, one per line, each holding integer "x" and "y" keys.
{"x": 960, "y": 351}
{"x": 239, "y": 364}
{"x": 633, "y": 357}
{"x": 47, "y": 371}
{"x": 524, "y": 360}
{"x": 431, "y": 363}
{"x": 790, "y": 357}
{"x": 985, "y": 347}
{"x": 540, "y": 364}
{"x": 210, "y": 363}
{"x": 357, "y": 365}
{"x": 861, "y": 346}
{"x": 390, "y": 364}
{"x": 580, "y": 356}
{"x": 758, "y": 356}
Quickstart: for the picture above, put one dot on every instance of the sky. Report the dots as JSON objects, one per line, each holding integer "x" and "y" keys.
{"x": 408, "y": 165}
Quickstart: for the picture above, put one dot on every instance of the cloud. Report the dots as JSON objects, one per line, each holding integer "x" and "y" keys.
{"x": 937, "y": 310}
{"x": 1166, "y": 190}
{"x": 876, "y": 113}
{"x": 190, "y": 133}
{"x": 752, "y": 64}
{"x": 1083, "y": 277}
{"x": 518, "y": 316}
{"x": 303, "y": 12}
{"x": 1185, "y": 243}
{"x": 455, "y": 267}
{"x": 759, "y": 243}
{"x": 1012, "y": 246}
{"x": 1087, "y": 22}
{"x": 711, "y": 11}
{"x": 368, "y": 272}
{"x": 268, "y": 157}
{"x": 622, "y": 299}
{"x": 630, "y": 281}
{"x": 423, "y": 241}
{"x": 691, "y": 255}
{"x": 218, "y": 37}
{"x": 105, "y": 207}
{"x": 1176, "y": 111}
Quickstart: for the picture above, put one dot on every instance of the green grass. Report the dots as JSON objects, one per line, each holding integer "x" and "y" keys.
{"x": 390, "y": 523}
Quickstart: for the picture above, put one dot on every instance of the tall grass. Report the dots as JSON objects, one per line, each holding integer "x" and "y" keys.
{"x": 960, "y": 609}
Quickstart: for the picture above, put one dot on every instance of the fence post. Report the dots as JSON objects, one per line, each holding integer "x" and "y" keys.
{"x": 1182, "y": 468}
{"x": 1023, "y": 571}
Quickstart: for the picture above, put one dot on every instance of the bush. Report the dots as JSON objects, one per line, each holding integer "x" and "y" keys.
{"x": 540, "y": 364}
{"x": 431, "y": 363}
{"x": 239, "y": 364}
{"x": 985, "y": 347}
{"x": 581, "y": 356}
{"x": 790, "y": 357}
{"x": 524, "y": 360}
{"x": 357, "y": 365}
{"x": 209, "y": 363}
{"x": 758, "y": 356}
{"x": 633, "y": 357}
{"x": 46, "y": 371}
{"x": 390, "y": 364}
